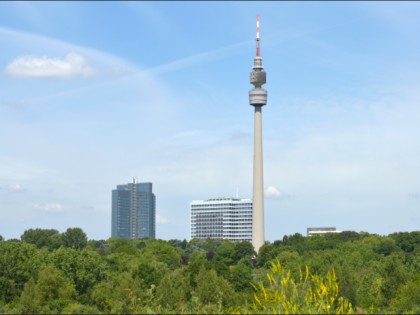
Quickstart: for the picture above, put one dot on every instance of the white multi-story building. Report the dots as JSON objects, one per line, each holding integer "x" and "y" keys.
{"x": 227, "y": 218}
{"x": 320, "y": 230}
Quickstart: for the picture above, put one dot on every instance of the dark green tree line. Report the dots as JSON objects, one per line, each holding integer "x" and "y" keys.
{"x": 51, "y": 272}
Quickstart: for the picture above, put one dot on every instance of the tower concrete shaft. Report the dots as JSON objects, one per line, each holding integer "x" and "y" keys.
{"x": 258, "y": 98}
{"x": 258, "y": 184}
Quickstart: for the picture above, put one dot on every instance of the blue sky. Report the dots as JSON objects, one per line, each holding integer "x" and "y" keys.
{"x": 94, "y": 93}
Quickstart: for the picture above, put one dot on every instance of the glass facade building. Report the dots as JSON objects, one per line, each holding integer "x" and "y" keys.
{"x": 133, "y": 211}
{"x": 227, "y": 218}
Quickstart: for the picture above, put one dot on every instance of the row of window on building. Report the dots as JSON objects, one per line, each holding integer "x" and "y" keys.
{"x": 134, "y": 215}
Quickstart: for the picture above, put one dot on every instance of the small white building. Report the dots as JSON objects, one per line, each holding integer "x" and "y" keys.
{"x": 320, "y": 230}
{"x": 225, "y": 218}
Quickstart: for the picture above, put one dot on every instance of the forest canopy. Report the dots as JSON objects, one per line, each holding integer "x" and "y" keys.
{"x": 46, "y": 271}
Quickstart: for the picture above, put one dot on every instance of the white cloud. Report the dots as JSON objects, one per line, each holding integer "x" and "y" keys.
{"x": 160, "y": 219}
{"x": 13, "y": 188}
{"x": 72, "y": 65}
{"x": 273, "y": 192}
{"x": 49, "y": 207}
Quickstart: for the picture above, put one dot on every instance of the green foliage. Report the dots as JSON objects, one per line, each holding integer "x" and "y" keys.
{"x": 150, "y": 273}
{"x": 85, "y": 268}
{"x": 110, "y": 296}
{"x": 162, "y": 251}
{"x": 241, "y": 275}
{"x": 101, "y": 247}
{"x": 118, "y": 294}
{"x": 77, "y": 308}
{"x": 49, "y": 238}
{"x": 196, "y": 262}
{"x": 214, "y": 290}
{"x": 122, "y": 245}
{"x": 347, "y": 281}
{"x": 407, "y": 241}
{"x": 223, "y": 258}
{"x": 243, "y": 249}
{"x": 267, "y": 253}
{"x": 174, "y": 291}
{"x": 19, "y": 261}
{"x": 292, "y": 260}
{"x": 345, "y": 236}
{"x": 74, "y": 238}
{"x": 28, "y": 300}
{"x": 374, "y": 273}
{"x": 385, "y": 247}
{"x": 407, "y": 297}
{"x": 394, "y": 274}
{"x": 179, "y": 244}
{"x": 50, "y": 294}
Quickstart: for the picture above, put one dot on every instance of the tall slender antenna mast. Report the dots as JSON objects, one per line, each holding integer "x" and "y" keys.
{"x": 258, "y": 37}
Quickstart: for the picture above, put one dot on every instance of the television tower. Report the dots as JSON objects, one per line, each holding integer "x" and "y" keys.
{"x": 258, "y": 98}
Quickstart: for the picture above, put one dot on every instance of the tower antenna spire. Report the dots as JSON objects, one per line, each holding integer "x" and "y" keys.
{"x": 257, "y": 54}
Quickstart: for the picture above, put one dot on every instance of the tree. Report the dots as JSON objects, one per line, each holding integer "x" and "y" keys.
{"x": 241, "y": 250}
{"x": 407, "y": 241}
{"x": 42, "y": 238}
{"x": 85, "y": 268}
{"x": 77, "y": 308}
{"x": 223, "y": 258}
{"x": 266, "y": 253}
{"x": 118, "y": 294}
{"x": 162, "y": 251}
{"x": 150, "y": 273}
{"x": 407, "y": 297}
{"x": 346, "y": 276}
{"x": 101, "y": 247}
{"x": 174, "y": 291}
{"x": 29, "y": 304}
{"x": 345, "y": 236}
{"x": 385, "y": 246}
{"x": 74, "y": 238}
{"x": 394, "y": 275}
{"x": 241, "y": 275}
{"x": 368, "y": 289}
{"x": 121, "y": 245}
{"x": 178, "y": 243}
{"x": 293, "y": 261}
{"x": 18, "y": 263}
{"x": 196, "y": 262}
{"x": 214, "y": 290}
{"x": 51, "y": 293}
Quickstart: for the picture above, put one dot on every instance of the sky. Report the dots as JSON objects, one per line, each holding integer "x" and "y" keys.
{"x": 95, "y": 93}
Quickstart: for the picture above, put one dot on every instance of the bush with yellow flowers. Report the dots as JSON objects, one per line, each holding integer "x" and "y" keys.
{"x": 311, "y": 294}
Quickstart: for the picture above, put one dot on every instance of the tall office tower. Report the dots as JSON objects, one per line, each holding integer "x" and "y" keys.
{"x": 227, "y": 218}
{"x": 258, "y": 98}
{"x": 133, "y": 211}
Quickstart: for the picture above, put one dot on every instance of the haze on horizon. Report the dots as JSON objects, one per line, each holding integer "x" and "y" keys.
{"x": 94, "y": 93}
